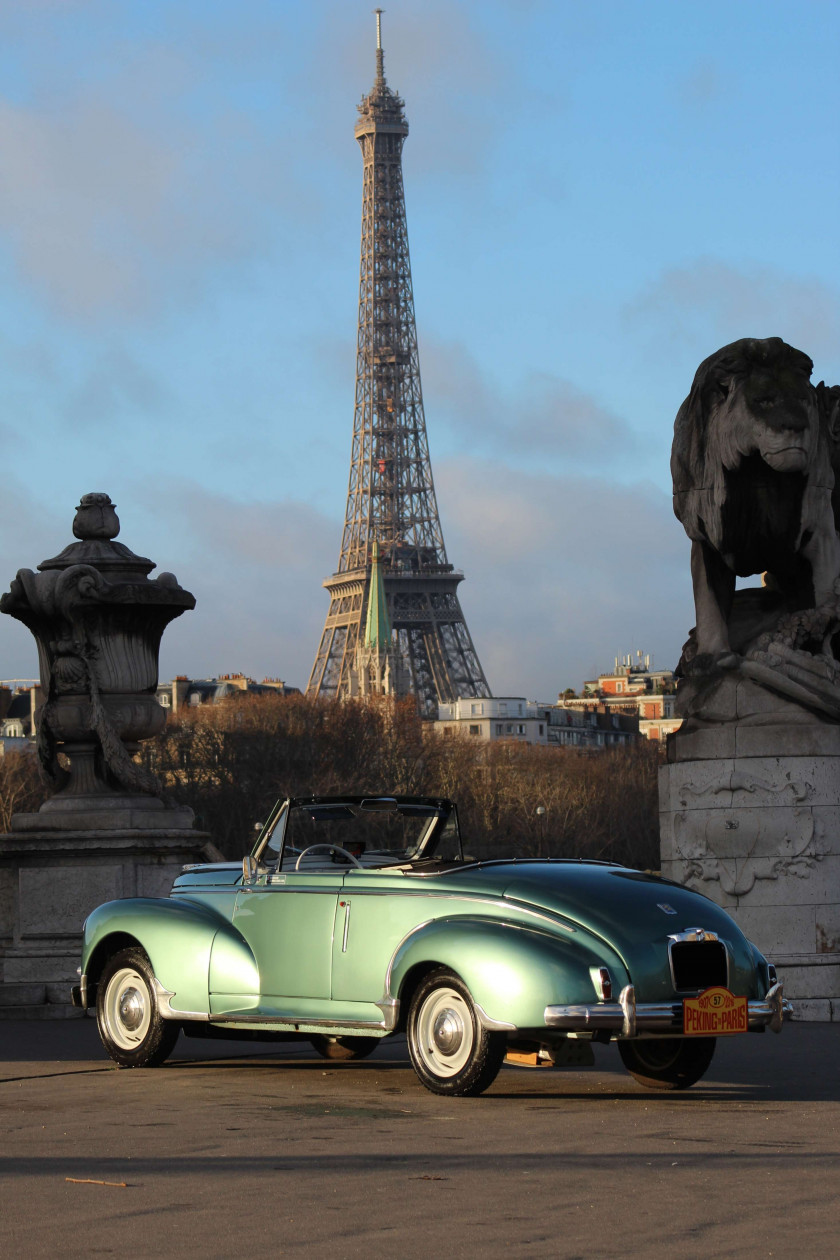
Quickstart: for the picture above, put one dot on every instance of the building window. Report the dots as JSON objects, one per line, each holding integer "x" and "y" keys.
{"x": 164, "y": 699}
{"x": 475, "y": 709}
{"x": 508, "y": 728}
{"x": 542, "y": 729}
{"x": 475, "y": 730}
{"x": 502, "y": 707}
{"x": 520, "y": 730}
{"x": 498, "y": 728}
{"x": 195, "y": 698}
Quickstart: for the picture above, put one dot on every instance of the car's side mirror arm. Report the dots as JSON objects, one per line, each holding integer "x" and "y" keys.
{"x": 249, "y": 869}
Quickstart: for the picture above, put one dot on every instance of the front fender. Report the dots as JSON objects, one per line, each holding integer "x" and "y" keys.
{"x": 192, "y": 950}
{"x": 513, "y": 972}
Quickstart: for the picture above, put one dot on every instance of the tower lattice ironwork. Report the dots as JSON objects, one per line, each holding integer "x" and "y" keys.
{"x": 392, "y": 539}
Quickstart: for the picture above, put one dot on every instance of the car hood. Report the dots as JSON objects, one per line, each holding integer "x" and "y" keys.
{"x": 633, "y": 912}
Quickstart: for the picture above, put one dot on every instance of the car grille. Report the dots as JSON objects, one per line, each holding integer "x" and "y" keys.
{"x": 698, "y": 965}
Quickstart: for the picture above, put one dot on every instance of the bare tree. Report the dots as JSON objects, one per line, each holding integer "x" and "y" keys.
{"x": 231, "y": 761}
{"x": 22, "y": 790}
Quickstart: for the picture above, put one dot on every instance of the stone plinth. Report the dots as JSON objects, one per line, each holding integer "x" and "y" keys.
{"x": 750, "y": 816}
{"x": 50, "y": 881}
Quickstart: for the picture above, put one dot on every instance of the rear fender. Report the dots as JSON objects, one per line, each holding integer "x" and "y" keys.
{"x": 191, "y": 949}
{"x": 512, "y": 972}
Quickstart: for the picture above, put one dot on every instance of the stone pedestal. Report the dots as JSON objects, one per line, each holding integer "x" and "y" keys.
{"x": 750, "y": 816}
{"x": 50, "y": 881}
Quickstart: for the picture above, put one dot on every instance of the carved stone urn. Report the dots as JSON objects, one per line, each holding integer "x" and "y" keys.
{"x": 98, "y": 622}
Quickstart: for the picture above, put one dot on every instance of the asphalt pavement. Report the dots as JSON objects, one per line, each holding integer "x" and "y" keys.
{"x": 231, "y": 1151}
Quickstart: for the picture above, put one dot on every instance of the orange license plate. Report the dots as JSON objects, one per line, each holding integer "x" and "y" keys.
{"x": 715, "y": 1013}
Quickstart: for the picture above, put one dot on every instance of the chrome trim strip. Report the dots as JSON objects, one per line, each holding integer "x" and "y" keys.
{"x": 163, "y": 997}
{"x": 418, "y": 928}
{"x": 782, "y": 1009}
{"x": 426, "y": 894}
{"x": 627, "y": 1002}
{"x": 626, "y": 1018}
{"x": 695, "y": 936}
{"x": 297, "y": 1022}
{"x": 493, "y": 1025}
{"x": 346, "y": 927}
{"x": 692, "y": 935}
{"x": 390, "y": 1008}
{"x": 515, "y": 927}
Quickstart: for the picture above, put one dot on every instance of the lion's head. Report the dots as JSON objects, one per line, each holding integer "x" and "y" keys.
{"x": 751, "y": 406}
{"x": 753, "y": 397}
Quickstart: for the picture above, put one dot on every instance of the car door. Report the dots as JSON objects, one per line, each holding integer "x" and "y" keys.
{"x": 288, "y": 920}
{"x": 376, "y": 912}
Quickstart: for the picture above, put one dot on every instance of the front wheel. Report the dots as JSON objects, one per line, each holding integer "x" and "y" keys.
{"x": 343, "y": 1048}
{"x": 450, "y": 1049}
{"x": 131, "y": 1029}
{"x": 667, "y": 1062}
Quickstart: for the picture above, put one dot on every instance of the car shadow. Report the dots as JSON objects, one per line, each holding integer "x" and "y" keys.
{"x": 798, "y": 1066}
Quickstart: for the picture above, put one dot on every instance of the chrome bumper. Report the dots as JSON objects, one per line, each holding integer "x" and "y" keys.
{"x": 627, "y": 1018}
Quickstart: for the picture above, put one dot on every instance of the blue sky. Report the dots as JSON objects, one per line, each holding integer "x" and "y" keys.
{"x": 598, "y": 197}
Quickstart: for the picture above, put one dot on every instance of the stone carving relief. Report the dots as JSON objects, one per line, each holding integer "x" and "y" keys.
{"x": 738, "y": 846}
{"x": 738, "y": 781}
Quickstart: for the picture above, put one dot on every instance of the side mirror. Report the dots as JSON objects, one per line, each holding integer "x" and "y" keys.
{"x": 249, "y": 868}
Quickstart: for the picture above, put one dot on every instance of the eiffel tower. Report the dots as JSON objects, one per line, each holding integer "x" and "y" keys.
{"x": 395, "y": 624}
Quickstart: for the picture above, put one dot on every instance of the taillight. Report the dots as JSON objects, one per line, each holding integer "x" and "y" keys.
{"x": 602, "y": 980}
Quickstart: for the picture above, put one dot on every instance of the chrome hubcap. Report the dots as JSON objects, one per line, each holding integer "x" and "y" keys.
{"x": 448, "y": 1032}
{"x": 444, "y": 1032}
{"x": 127, "y": 1009}
{"x": 132, "y": 1009}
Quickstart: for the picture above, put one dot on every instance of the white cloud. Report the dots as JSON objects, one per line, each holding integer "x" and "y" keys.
{"x": 542, "y": 415}
{"x": 563, "y": 573}
{"x": 31, "y": 529}
{"x": 702, "y": 85}
{"x": 77, "y": 187}
{"x": 114, "y": 385}
{"x": 711, "y": 303}
{"x": 117, "y": 198}
{"x": 255, "y": 569}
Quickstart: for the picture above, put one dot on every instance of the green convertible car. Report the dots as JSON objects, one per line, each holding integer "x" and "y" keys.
{"x": 355, "y": 918}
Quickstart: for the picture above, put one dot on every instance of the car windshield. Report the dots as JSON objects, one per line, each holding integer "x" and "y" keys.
{"x": 375, "y": 831}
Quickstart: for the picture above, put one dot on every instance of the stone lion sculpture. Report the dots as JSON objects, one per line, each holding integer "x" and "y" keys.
{"x": 752, "y": 464}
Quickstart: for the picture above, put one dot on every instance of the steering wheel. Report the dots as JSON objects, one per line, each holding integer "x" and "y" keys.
{"x": 334, "y": 848}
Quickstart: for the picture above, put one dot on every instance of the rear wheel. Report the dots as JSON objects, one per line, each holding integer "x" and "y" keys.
{"x": 451, "y": 1051}
{"x": 338, "y": 1048}
{"x": 130, "y": 1026}
{"x": 667, "y": 1062}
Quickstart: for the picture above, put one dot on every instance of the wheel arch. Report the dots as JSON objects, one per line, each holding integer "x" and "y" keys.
{"x": 411, "y": 982}
{"x": 104, "y": 950}
{"x": 512, "y": 972}
{"x": 177, "y": 937}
